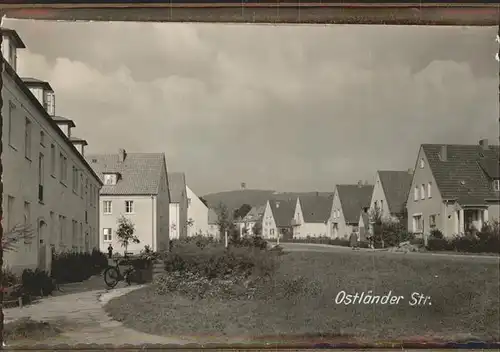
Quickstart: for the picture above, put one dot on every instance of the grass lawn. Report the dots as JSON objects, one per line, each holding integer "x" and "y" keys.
{"x": 464, "y": 302}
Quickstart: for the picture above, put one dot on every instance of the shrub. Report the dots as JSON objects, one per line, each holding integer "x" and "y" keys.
{"x": 9, "y": 278}
{"x": 76, "y": 267}
{"x": 251, "y": 241}
{"x": 435, "y": 233}
{"x": 37, "y": 283}
{"x": 215, "y": 261}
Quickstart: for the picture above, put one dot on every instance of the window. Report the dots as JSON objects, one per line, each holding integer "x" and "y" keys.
{"x": 107, "y": 207}
{"x": 422, "y": 163}
{"x": 10, "y": 212}
{"x": 40, "y": 177}
{"x": 75, "y": 179}
{"x": 422, "y": 192}
{"x": 496, "y": 185}
{"x": 129, "y": 206}
{"x": 189, "y": 202}
{"x": 42, "y": 138}
{"x": 27, "y": 139}
{"x": 62, "y": 228}
{"x": 74, "y": 234}
{"x": 64, "y": 168}
{"x": 110, "y": 179}
{"x": 107, "y": 235}
{"x": 381, "y": 206}
{"x": 417, "y": 223}
{"x": 432, "y": 221}
{"x": 13, "y": 56}
{"x": 10, "y": 138}
{"x": 87, "y": 201}
{"x": 271, "y": 232}
{"x": 415, "y": 194}
{"x": 429, "y": 190}
{"x": 82, "y": 185}
{"x": 52, "y": 160}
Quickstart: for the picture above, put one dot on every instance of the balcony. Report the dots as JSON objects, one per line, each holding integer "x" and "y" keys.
{"x": 40, "y": 193}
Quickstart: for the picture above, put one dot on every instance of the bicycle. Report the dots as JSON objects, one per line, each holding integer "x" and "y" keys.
{"x": 113, "y": 275}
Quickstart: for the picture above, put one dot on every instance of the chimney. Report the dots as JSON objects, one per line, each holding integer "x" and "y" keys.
{"x": 484, "y": 144}
{"x": 122, "y": 154}
{"x": 360, "y": 183}
{"x": 443, "y": 155}
{"x": 410, "y": 171}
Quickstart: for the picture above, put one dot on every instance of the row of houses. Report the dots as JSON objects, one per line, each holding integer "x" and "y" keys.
{"x": 69, "y": 200}
{"x": 452, "y": 188}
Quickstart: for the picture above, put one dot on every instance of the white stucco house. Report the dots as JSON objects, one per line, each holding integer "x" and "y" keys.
{"x": 455, "y": 188}
{"x": 254, "y": 216}
{"x": 277, "y": 218}
{"x": 178, "y": 208}
{"x": 311, "y": 216}
{"x": 48, "y": 184}
{"x": 197, "y": 215}
{"x": 348, "y": 202}
{"x": 390, "y": 193}
{"x": 136, "y": 187}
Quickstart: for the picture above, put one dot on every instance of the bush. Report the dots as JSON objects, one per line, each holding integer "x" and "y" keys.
{"x": 76, "y": 267}
{"x": 37, "y": 283}
{"x": 251, "y": 241}
{"x": 215, "y": 261}
{"x": 9, "y": 278}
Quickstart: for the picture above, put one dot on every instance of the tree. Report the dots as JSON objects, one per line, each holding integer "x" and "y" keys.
{"x": 126, "y": 232}
{"x": 13, "y": 236}
{"x": 257, "y": 229}
{"x": 223, "y": 221}
{"x": 242, "y": 211}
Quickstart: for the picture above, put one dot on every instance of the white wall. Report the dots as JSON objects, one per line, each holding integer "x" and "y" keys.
{"x": 198, "y": 212}
{"x": 269, "y": 229}
{"x": 337, "y": 216}
{"x": 174, "y": 220}
{"x": 21, "y": 182}
{"x": 143, "y": 218}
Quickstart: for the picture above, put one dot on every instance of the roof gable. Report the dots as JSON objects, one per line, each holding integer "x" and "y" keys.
{"x": 283, "y": 211}
{"x": 316, "y": 209}
{"x": 177, "y": 186}
{"x": 255, "y": 214}
{"x": 140, "y": 173}
{"x": 396, "y": 185}
{"x": 462, "y": 177}
{"x": 353, "y": 198}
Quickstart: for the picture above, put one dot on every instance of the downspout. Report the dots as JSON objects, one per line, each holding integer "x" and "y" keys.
{"x": 153, "y": 244}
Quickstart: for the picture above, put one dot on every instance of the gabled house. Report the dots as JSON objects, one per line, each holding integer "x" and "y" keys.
{"x": 213, "y": 224}
{"x": 455, "y": 188}
{"x": 136, "y": 187}
{"x": 48, "y": 186}
{"x": 348, "y": 202}
{"x": 390, "y": 193}
{"x": 311, "y": 216}
{"x": 197, "y": 214}
{"x": 277, "y": 218}
{"x": 178, "y": 205}
{"x": 253, "y": 217}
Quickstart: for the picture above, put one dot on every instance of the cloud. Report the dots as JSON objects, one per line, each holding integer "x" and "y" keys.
{"x": 289, "y": 107}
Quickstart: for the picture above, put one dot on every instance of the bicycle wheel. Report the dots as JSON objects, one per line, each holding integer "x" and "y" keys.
{"x": 111, "y": 276}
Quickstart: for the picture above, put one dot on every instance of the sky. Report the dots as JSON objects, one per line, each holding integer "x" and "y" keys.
{"x": 289, "y": 108}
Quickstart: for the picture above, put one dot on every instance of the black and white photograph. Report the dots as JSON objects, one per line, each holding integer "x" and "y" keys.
{"x": 190, "y": 183}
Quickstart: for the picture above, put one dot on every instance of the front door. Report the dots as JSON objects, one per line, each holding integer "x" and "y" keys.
{"x": 42, "y": 246}
{"x": 335, "y": 230}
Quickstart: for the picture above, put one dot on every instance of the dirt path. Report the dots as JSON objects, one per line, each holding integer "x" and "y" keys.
{"x": 92, "y": 325}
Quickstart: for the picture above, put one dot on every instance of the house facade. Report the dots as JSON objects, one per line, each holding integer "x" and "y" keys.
{"x": 390, "y": 193}
{"x": 135, "y": 187}
{"x": 197, "y": 214}
{"x": 311, "y": 216}
{"x": 48, "y": 185}
{"x": 178, "y": 208}
{"x": 277, "y": 218}
{"x": 455, "y": 188}
{"x": 348, "y": 201}
{"x": 253, "y": 217}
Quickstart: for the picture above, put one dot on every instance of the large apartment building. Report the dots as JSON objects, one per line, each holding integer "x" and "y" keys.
{"x": 48, "y": 185}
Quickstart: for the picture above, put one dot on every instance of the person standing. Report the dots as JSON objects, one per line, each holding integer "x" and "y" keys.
{"x": 352, "y": 240}
{"x": 110, "y": 251}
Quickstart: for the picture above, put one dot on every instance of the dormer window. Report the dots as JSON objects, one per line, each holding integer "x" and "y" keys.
{"x": 110, "y": 179}
{"x": 49, "y": 103}
{"x": 13, "y": 56}
{"x": 496, "y": 185}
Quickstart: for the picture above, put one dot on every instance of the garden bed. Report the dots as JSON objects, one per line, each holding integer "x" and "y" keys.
{"x": 300, "y": 301}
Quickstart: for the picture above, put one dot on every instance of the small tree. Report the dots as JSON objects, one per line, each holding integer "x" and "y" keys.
{"x": 126, "y": 232}
{"x": 223, "y": 221}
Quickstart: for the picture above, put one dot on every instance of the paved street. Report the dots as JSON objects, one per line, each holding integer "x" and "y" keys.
{"x": 324, "y": 248}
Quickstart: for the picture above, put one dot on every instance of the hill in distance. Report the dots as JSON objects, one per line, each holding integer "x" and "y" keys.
{"x": 234, "y": 199}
